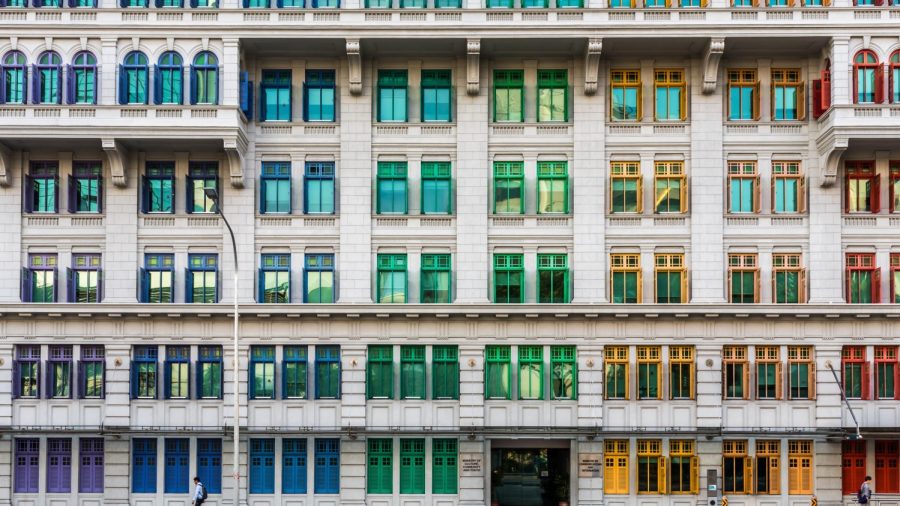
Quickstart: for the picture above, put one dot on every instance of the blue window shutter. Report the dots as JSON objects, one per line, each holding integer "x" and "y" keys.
{"x": 145, "y": 194}
{"x": 143, "y": 285}
{"x": 28, "y": 194}
{"x": 290, "y": 102}
{"x": 189, "y": 194}
{"x": 70, "y": 77}
{"x": 70, "y": 285}
{"x": 71, "y": 185}
{"x": 260, "y": 285}
{"x": 188, "y": 286}
{"x": 284, "y": 379}
{"x": 2, "y": 72}
{"x": 35, "y": 81}
{"x": 262, "y": 102}
{"x": 167, "y": 380}
{"x": 134, "y": 380}
{"x": 193, "y": 78}
{"x": 157, "y": 78}
{"x": 251, "y": 387}
{"x": 17, "y": 378}
{"x": 262, "y": 195}
{"x": 305, "y": 103}
{"x": 244, "y": 94}
{"x": 27, "y": 284}
{"x": 56, "y": 194}
{"x": 198, "y": 380}
{"x": 123, "y": 79}
{"x": 100, "y": 194}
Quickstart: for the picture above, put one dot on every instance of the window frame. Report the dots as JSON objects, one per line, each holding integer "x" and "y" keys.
{"x": 445, "y": 372}
{"x": 768, "y": 356}
{"x": 509, "y": 80}
{"x": 615, "y": 466}
{"x": 209, "y": 464}
{"x": 682, "y": 449}
{"x": 865, "y": 60}
{"x": 669, "y": 264}
{"x": 169, "y": 70}
{"x": 380, "y": 466}
{"x": 390, "y": 263}
{"x": 552, "y": 81}
{"x": 623, "y": 173}
{"x": 202, "y": 263}
{"x": 34, "y": 278}
{"x": 272, "y": 175}
{"x": 42, "y": 187}
{"x": 60, "y": 369}
{"x": 785, "y": 264}
{"x": 682, "y": 364}
{"x": 436, "y": 265}
{"x": 315, "y": 264}
{"x": 176, "y": 465}
{"x": 47, "y": 68}
{"x": 205, "y": 66}
{"x": 327, "y": 475}
{"x": 530, "y": 359}
{"x": 298, "y": 357}
{"x": 649, "y": 358}
{"x": 894, "y": 183}
{"x": 278, "y": 264}
{"x": 82, "y": 79}
{"x": 732, "y": 357}
{"x": 145, "y": 357}
{"x": 157, "y": 264}
{"x": 563, "y": 365}
{"x": 786, "y": 171}
{"x": 261, "y": 466}
{"x": 162, "y": 171}
{"x": 771, "y": 451}
{"x": 277, "y": 80}
{"x": 143, "y": 458}
{"x": 855, "y": 357}
{"x": 667, "y": 171}
{"x": 740, "y": 172}
{"x": 134, "y": 79}
{"x": 552, "y": 265}
{"x": 14, "y": 70}
{"x": 202, "y": 176}
{"x": 327, "y": 357}
{"x": 801, "y": 355}
{"x": 210, "y": 356}
{"x": 509, "y": 172}
{"x": 436, "y": 80}
{"x": 380, "y": 358}
{"x": 739, "y": 266}
{"x": 800, "y": 457}
{"x": 621, "y": 266}
{"x": 444, "y": 466}
{"x": 552, "y": 173}
{"x": 392, "y": 173}
{"x": 886, "y": 357}
{"x": 395, "y": 81}
{"x": 88, "y": 173}
{"x": 666, "y": 80}
{"x": 625, "y": 81}
{"x": 412, "y": 466}
{"x": 178, "y": 358}
{"x": 322, "y": 172}
{"x": 90, "y": 465}
{"x": 413, "y": 375}
{"x": 895, "y": 278}
{"x": 436, "y": 172}
{"x": 650, "y": 450}
{"x": 319, "y": 81}
{"x": 616, "y": 366}
{"x": 509, "y": 264}
{"x": 92, "y": 356}
{"x": 862, "y": 263}
{"x": 261, "y": 355}
{"x": 785, "y": 78}
{"x": 742, "y": 80}
{"x": 500, "y": 357}
{"x": 858, "y": 171}
{"x": 736, "y": 451}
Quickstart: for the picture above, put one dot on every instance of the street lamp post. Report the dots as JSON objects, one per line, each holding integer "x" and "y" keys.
{"x": 213, "y": 195}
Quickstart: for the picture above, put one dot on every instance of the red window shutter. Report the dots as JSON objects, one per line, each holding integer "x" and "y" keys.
{"x": 876, "y": 194}
{"x": 847, "y": 284}
{"x": 896, "y": 381}
{"x": 855, "y": 83}
{"x": 876, "y": 285}
{"x": 817, "y": 98}
{"x": 866, "y": 394}
{"x": 826, "y": 90}
{"x": 846, "y": 192}
{"x": 879, "y": 79}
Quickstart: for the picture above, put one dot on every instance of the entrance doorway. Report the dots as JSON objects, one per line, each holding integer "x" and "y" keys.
{"x": 529, "y": 476}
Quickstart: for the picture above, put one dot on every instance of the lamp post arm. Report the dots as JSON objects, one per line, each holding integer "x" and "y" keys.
{"x": 844, "y": 398}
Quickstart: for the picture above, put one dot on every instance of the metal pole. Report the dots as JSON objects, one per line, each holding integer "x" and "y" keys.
{"x": 235, "y": 468}
{"x": 844, "y": 398}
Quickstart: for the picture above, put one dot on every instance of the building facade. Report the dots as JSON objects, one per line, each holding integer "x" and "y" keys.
{"x": 515, "y": 253}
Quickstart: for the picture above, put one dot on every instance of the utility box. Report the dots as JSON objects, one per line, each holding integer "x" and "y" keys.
{"x": 713, "y": 491}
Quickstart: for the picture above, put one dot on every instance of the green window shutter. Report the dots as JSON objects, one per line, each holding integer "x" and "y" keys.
{"x": 445, "y": 364}
{"x": 412, "y": 372}
{"x": 531, "y": 372}
{"x": 380, "y": 472}
{"x": 412, "y": 466}
{"x": 497, "y": 372}
{"x": 380, "y": 372}
{"x": 563, "y": 373}
{"x": 444, "y": 471}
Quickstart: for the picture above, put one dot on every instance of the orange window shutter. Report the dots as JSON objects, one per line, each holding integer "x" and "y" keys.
{"x": 756, "y": 192}
{"x": 802, "y": 195}
{"x": 812, "y": 378}
{"x": 683, "y": 102}
{"x": 662, "y": 477}
{"x": 748, "y": 475}
{"x": 756, "y": 111}
{"x": 876, "y": 285}
{"x": 774, "y": 475}
{"x": 746, "y": 380}
{"x": 756, "y": 286}
{"x": 779, "y": 380}
{"x": 801, "y": 101}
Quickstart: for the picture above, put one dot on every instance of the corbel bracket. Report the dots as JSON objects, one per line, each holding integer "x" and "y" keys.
{"x": 115, "y": 156}
{"x": 5, "y": 166}
{"x": 592, "y": 65}
{"x": 830, "y": 161}
{"x": 355, "y": 71}
{"x": 473, "y": 65}
{"x": 234, "y": 152}
{"x": 711, "y": 59}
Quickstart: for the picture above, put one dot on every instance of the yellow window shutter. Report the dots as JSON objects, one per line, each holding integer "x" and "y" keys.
{"x": 812, "y": 365}
{"x": 662, "y": 475}
{"x": 801, "y": 194}
{"x": 774, "y": 475}
{"x": 622, "y": 480}
{"x": 683, "y": 103}
{"x": 756, "y": 192}
{"x": 640, "y": 181}
{"x": 695, "y": 475}
{"x": 756, "y": 112}
{"x": 746, "y": 380}
{"x": 779, "y": 383}
{"x": 801, "y": 101}
{"x": 748, "y": 475}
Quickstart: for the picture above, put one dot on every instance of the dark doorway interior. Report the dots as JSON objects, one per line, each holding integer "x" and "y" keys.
{"x": 529, "y": 476}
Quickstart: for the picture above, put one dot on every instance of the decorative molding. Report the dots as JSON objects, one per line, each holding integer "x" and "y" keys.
{"x": 355, "y": 71}
{"x": 115, "y": 156}
{"x": 592, "y": 65}
{"x": 711, "y": 59}
{"x": 6, "y": 168}
{"x": 234, "y": 151}
{"x": 831, "y": 160}
{"x": 170, "y": 43}
{"x": 473, "y": 66}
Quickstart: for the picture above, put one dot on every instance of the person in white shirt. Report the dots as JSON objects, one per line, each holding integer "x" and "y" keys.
{"x": 198, "y": 492}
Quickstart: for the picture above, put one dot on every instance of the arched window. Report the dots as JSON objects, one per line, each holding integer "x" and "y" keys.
{"x": 81, "y": 79}
{"x": 868, "y": 78}
{"x": 13, "y": 89}
{"x": 47, "y": 79}
{"x": 169, "y": 82}
{"x": 133, "y": 79}
{"x": 894, "y": 78}
{"x": 205, "y": 79}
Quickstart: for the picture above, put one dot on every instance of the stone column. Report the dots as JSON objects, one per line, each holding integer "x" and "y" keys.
{"x": 471, "y": 386}
{"x": 118, "y": 383}
{"x": 353, "y": 386}
{"x": 709, "y": 386}
{"x": 12, "y": 258}
{"x": 353, "y": 472}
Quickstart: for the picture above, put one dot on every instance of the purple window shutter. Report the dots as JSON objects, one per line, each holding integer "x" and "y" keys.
{"x": 55, "y": 284}
{"x": 35, "y": 84}
{"x": 48, "y": 380}
{"x": 100, "y": 194}
{"x": 103, "y": 380}
{"x": 70, "y": 285}
{"x": 27, "y": 283}
{"x": 59, "y": 73}
{"x": 2, "y": 72}
{"x": 28, "y": 198}
{"x": 99, "y": 285}
{"x": 79, "y": 365}
{"x": 38, "y": 382}
{"x": 72, "y": 193}
{"x": 71, "y": 378}
{"x": 16, "y": 375}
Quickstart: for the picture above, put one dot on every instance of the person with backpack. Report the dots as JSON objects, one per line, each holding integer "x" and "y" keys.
{"x": 865, "y": 491}
{"x": 200, "y": 494}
